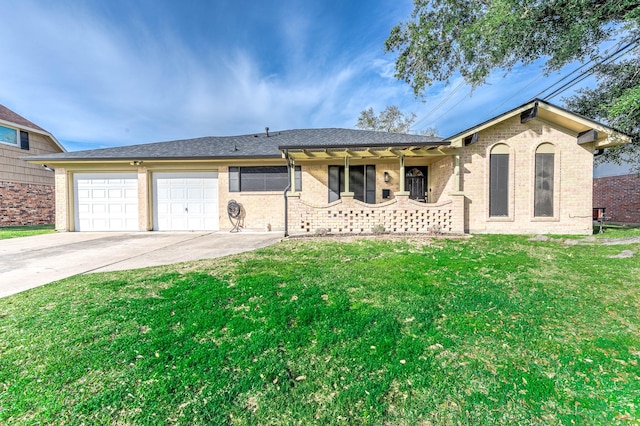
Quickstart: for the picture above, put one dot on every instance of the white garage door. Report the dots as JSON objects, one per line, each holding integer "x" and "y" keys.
{"x": 185, "y": 201}
{"x": 106, "y": 202}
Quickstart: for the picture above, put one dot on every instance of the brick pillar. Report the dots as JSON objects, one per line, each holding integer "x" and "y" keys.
{"x": 144, "y": 197}
{"x": 458, "y": 212}
{"x": 64, "y": 213}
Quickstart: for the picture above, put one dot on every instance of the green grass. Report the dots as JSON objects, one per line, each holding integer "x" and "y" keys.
{"x": 24, "y": 231}
{"x": 617, "y": 231}
{"x": 489, "y": 330}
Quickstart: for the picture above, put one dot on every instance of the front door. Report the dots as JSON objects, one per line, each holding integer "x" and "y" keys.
{"x": 416, "y": 183}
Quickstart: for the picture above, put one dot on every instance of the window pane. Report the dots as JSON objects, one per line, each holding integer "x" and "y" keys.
{"x": 334, "y": 183}
{"x": 234, "y": 179}
{"x": 543, "y": 198}
{"x": 8, "y": 135}
{"x": 264, "y": 178}
{"x": 298, "y": 178}
{"x": 356, "y": 182}
{"x": 370, "y": 183}
{"x": 499, "y": 185}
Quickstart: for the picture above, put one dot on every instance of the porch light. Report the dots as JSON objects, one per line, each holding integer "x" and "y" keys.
{"x": 387, "y": 177}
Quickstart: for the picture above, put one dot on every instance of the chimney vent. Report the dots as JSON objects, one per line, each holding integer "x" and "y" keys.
{"x": 267, "y": 130}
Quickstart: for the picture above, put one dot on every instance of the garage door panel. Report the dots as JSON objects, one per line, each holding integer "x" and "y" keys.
{"x": 177, "y": 194}
{"x": 106, "y": 202}
{"x": 185, "y": 201}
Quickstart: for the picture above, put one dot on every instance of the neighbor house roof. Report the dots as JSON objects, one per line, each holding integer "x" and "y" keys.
{"x": 10, "y": 117}
{"x": 258, "y": 145}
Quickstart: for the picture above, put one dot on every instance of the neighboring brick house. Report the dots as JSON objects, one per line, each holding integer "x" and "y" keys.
{"x": 26, "y": 190}
{"x": 620, "y": 196}
{"x": 526, "y": 171}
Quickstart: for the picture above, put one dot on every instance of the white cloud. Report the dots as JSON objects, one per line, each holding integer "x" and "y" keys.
{"x": 86, "y": 77}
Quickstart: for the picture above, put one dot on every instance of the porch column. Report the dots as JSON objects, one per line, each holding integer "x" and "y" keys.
{"x": 403, "y": 191}
{"x": 346, "y": 174}
{"x": 347, "y": 195}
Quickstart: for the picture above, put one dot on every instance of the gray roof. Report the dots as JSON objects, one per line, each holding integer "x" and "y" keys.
{"x": 248, "y": 146}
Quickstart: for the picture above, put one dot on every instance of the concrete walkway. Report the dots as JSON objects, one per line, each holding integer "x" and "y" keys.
{"x": 30, "y": 262}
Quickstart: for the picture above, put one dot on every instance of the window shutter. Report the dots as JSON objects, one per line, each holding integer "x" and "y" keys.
{"x": 370, "y": 185}
{"x": 234, "y": 179}
{"x": 24, "y": 140}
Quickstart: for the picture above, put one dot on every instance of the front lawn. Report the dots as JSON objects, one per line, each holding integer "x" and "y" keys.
{"x": 485, "y": 330}
{"x": 24, "y": 231}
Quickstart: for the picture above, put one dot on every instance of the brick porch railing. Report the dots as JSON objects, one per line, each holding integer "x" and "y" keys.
{"x": 398, "y": 216}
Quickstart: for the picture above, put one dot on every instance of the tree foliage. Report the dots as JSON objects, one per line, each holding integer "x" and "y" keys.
{"x": 615, "y": 101}
{"x": 391, "y": 119}
{"x": 474, "y": 37}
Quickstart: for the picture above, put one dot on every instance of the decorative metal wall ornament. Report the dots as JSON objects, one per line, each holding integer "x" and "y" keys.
{"x": 234, "y": 210}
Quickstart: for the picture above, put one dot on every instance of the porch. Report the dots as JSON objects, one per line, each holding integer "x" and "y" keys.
{"x": 386, "y": 188}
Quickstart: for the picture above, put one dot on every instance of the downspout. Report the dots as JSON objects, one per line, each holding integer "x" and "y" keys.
{"x": 286, "y": 201}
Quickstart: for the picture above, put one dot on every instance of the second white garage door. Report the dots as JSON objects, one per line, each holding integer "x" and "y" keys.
{"x": 185, "y": 201}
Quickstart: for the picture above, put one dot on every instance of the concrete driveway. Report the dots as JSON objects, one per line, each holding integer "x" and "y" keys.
{"x": 30, "y": 262}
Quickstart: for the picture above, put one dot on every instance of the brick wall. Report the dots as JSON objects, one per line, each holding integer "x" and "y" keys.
{"x": 573, "y": 174}
{"x": 26, "y": 204}
{"x": 620, "y": 195}
{"x": 400, "y": 215}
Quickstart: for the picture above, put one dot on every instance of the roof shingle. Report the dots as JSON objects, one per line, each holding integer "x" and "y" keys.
{"x": 249, "y": 146}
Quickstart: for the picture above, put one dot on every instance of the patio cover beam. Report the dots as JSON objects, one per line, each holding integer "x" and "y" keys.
{"x": 367, "y": 152}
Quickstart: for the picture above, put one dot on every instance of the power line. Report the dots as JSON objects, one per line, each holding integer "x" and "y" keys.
{"x": 442, "y": 102}
{"x": 583, "y": 75}
{"x": 590, "y": 71}
{"x": 453, "y": 106}
{"x": 617, "y": 47}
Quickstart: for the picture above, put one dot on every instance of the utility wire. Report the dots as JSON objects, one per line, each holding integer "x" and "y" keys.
{"x": 453, "y": 106}
{"x": 583, "y": 75}
{"x": 540, "y": 75}
{"x": 442, "y": 102}
{"x": 618, "y": 54}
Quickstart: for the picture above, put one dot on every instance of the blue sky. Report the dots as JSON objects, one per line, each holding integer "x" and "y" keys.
{"x": 108, "y": 73}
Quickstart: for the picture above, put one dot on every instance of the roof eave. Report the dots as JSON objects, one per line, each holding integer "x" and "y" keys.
{"x": 53, "y": 160}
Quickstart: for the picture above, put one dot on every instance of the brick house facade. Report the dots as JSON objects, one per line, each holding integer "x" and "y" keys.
{"x": 26, "y": 189}
{"x": 526, "y": 171}
{"x": 620, "y": 196}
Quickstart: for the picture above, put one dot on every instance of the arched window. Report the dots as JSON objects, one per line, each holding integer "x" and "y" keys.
{"x": 499, "y": 181}
{"x": 544, "y": 181}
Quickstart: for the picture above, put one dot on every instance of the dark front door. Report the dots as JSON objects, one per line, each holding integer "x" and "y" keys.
{"x": 416, "y": 183}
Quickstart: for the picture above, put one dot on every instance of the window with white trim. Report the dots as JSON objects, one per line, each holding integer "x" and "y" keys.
{"x": 8, "y": 135}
